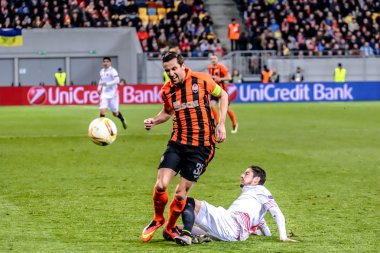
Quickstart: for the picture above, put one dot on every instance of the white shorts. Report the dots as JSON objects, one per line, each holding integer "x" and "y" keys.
{"x": 110, "y": 104}
{"x": 217, "y": 222}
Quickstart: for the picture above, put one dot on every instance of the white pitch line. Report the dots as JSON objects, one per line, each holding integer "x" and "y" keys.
{"x": 64, "y": 136}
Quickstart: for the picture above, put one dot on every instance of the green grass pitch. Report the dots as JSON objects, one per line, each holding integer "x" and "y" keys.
{"x": 59, "y": 192}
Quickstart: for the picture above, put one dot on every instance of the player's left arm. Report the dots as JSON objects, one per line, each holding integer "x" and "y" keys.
{"x": 278, "y": 216}
{"x": 217, "y": 91}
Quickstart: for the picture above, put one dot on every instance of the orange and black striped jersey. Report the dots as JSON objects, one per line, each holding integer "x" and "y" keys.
{"x": 220, "y": 71}
{"x": 192, "y": 124}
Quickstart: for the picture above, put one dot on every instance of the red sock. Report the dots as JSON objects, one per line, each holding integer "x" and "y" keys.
{"x": 176, "y": 208}
{"x": 215, "y": 114}
{"x": 232, "y": 117}
{"x": 159, "y": 201}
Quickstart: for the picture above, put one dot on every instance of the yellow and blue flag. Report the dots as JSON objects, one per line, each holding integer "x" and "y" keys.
{"x": 10, "y": 38}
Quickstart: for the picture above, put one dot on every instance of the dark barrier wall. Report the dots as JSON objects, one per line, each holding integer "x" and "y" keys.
{"x": 239, "y": 93}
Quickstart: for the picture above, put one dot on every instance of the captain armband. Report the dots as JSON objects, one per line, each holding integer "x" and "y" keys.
{"x": 216, "y": 92}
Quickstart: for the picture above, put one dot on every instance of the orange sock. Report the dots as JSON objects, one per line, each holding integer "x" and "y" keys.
{"x": 232, "y": 117}
{"x": 159, "y": 201}
{"x": 215, "y": 114}
{"x": 176, "y": 208}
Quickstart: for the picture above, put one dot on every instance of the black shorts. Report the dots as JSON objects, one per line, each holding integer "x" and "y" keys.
{"x": 189, "y": 161}
{"x": 216, "y": 99}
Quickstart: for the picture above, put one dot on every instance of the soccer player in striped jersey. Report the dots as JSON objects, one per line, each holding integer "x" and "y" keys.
{"x": 221, "y": 75}
{"x": 192, "y": 144}
{"x": 108, "y": 91}
{"x": 241, "y": 219}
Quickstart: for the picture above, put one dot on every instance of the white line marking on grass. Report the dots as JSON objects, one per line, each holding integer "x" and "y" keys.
{"x": 64, "y": 136}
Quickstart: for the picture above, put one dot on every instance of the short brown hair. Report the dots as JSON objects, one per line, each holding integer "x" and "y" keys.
{"x": 259, "y": 172}
{"x": 171, "y": 55}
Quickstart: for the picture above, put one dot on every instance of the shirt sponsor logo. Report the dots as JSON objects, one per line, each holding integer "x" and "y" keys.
{"x": 178, "y": 106}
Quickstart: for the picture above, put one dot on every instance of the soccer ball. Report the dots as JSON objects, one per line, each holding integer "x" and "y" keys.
{"x": 102, "y": 131}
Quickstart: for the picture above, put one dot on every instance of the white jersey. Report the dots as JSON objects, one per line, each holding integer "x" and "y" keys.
{"x": 111, "y": 78}
{"x": 250, "y": 208}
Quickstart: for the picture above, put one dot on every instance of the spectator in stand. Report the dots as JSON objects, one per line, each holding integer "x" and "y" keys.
{"x": 295, "y": 23}
{"x": 274, "y": 77}
{"x": 243, "y": 42}
{"x": 376, "y": 50}
{"x": 122, "y": 81}
{"x": 366, "y": 50}
{"x": 236, "y": 76}
{"x": 298, "y": 76}
{"x": 190, "y": 18}
{"x": 143, "y": 36}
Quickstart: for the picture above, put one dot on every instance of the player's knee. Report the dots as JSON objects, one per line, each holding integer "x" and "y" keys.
{"x": 161, "y": 187}
{"x": 180, "y": 196}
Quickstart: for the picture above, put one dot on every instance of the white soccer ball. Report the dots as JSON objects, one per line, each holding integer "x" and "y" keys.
{"x": 102, "y": 131}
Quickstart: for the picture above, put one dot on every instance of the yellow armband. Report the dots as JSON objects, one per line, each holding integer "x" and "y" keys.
{"x": 216, "y": 92}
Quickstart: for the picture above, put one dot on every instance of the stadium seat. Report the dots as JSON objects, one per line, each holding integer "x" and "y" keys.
{"x": 176, "y": 3}
{"x": 144, "y": 19}
{"x": 161, "y": 13}
{"x": 142, "y": 11}
{"x": 152, "y": 11}
{"x": 153, "y": 18}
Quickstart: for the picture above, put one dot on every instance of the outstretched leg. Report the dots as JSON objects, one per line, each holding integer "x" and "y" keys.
{"x": 160, "y": 199}
{"x": 120, "y": 116}
{"x": 188, "y": 236}
{"x": 231, "y": 114}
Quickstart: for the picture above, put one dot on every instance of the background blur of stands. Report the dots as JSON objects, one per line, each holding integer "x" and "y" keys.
{"x": 76, "y": 34}
{"x": 79, "y": 52}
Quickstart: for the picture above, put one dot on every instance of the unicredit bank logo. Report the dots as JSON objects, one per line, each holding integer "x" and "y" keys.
{"x": 232, "y": 92}
{"x": 37, "y": 95}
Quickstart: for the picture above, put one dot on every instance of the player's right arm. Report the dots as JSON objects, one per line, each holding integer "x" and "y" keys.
{"x": 100, "y": 86}
{"x": 264, "y": 228}
{"x": 164, "y": 115}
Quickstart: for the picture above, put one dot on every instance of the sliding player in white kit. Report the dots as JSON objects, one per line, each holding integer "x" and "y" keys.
{"x": 244, "y": 217}
{"x": 109, "y": 92}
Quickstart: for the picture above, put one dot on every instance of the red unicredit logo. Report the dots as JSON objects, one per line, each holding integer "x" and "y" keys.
{"x": 37, "y": 95}
{"x": 232, "y": 92}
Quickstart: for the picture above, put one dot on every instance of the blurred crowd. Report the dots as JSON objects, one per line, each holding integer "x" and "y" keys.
{"x": 312, "y": 27}
{"x": 181, "y": 25}
{"x": 289, "y": 27}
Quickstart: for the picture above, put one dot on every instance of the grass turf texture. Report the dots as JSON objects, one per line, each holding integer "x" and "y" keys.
{"x": 61, "y": 193}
